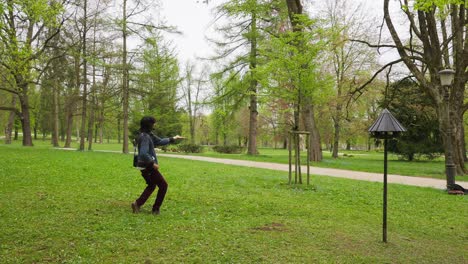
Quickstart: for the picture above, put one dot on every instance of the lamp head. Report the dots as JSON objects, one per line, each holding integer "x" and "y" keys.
{"x": 446, "y": 76}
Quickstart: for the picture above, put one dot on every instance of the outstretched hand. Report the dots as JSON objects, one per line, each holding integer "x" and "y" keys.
{"x": 178, "y": 137}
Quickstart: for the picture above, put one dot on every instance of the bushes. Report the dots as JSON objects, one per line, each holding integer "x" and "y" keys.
{"x": 195, "y": 148}
{"x": 230, "y": 149}
{"x": 191, "y": 148}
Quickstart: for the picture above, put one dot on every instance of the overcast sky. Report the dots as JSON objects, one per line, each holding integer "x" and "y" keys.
{"x": 192, "y": 18}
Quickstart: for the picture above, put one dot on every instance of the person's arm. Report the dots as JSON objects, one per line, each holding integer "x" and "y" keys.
{"x": 157, "y": 141}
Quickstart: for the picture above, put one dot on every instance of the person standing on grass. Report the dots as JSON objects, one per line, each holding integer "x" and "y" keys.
{"x": 148, "y": 163}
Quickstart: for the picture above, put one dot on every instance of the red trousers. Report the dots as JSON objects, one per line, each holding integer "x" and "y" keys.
{"x": 153, "y": 178}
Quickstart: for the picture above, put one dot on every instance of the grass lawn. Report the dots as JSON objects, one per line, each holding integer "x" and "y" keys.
{"x": 367, "y": 161}
{"x": 66, "y": 206}
{"x": 354, "y": 160}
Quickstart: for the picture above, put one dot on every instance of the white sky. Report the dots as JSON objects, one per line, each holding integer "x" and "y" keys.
{"x": 192, "y": 18}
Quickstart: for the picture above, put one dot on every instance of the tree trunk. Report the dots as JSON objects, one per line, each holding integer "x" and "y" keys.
{"x": 71, "y": 103}
{"x": 433, "y": 61}
{"x": 463, "y": 142}
{"x": 252, "y": 144}
{"x": 11, "y": 121}
{"x": 91, "y": 121}
{"x": 119, "y": 137}
{"x": 459, "y": 143}
{"x": 62, "y": 123}
{"x": 315, "y": 151}
{"x": 16, "y": 132}
{"x": 338, "y": 110}
{"x": 336, "y": 136}
{"x": 449, "y": 126}
{"x": 95, "y": 133}
{"x": 92, "y": 109}
{"x": 253, "y": 122}
{"x": 55, "y": 114}
{"x": 125, "y": 81}
{"x": 101, "y": 125}
{"x": 69, "y": 130}
{"x": 25, "y": 118}
{"x": 191, "y": 116}
{"x": 348, "y": 145}
{"x": 102, "y": 102}
{"x": 85, "y": 82}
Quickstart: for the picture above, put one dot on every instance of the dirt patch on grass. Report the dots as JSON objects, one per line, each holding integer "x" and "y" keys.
{"x": 278, "y": 227}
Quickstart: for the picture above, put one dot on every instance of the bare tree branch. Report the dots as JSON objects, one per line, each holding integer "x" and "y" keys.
{"x": 385, "y": 46}
{"x": 400, "y": 47}
{"x": 359, "y": 89}
{"x": 170, "y": 29}
{"x": 16, "y": 110}
{"x": 9, "y": 90}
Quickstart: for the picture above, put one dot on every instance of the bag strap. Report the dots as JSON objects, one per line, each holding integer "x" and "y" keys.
{"x": 134, "y": 148}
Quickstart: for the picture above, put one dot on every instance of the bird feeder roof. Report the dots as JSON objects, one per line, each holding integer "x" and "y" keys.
{"x": 386, "y": 123}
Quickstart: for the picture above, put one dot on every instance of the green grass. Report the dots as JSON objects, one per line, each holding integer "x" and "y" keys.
{"x": 367, "y": 161}
{"x": 371, "y": 161}
{"x": 74, "y": 207}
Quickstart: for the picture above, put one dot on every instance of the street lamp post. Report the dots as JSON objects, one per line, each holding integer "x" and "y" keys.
{"x": 446, "y": 79}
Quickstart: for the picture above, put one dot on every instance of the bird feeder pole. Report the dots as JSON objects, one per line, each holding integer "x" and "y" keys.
{"x": 385, "y": 127}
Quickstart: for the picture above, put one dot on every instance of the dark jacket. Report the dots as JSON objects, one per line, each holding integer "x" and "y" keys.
{"x": 146, "y": 144}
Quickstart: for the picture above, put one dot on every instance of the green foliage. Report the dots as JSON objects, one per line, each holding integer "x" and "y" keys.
{"x": 158, "y": 80}
{"x": 213, "y": 213}
{"x": 237, "y": 81}
{"x": 230, "y": 94}
{"x": 413, "y": 109}
{"x": 229, "y": 149}
{"x": 291, "y": 71}
{"x": 190, "y": 148}
{"x": 429, "y": 5}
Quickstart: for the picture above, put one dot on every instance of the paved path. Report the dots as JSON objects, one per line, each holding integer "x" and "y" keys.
{"x": 356, "y": 175}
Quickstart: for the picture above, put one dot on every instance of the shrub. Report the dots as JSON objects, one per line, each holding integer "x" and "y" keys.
{"x": 230, "y": 149}
{"x": 191, "y": 148}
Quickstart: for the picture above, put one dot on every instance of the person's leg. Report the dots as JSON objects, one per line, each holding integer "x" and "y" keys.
{"x": 162, "y": 189}
{"x": 151, "y": 181}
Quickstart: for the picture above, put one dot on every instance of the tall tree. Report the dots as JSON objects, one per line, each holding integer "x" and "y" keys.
{"x": 52, "y": 80}
{"x": 349, "y": 59}
{"x": 413, "y": 108}
{"x": 71, "y": 38}
{"x": 225, "y": 107}
{"x": 158, "y": 82}
{"x": 134, "y": 22}
{"x": 438, "y": 31}
{"x": 292, "y": 57}
{"x": 125, "y": 80}
{"x": 24, "y": 38}
{"x": 11, "y": 120}
{"x": 192, "y": 88}
{"x": 84, "y": 98}
{"x": 242, "y": 36}
{"x": 97, "y": 23}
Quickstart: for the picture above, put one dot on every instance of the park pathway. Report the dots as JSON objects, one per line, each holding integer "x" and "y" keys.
{"x": 356, "y": 175}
